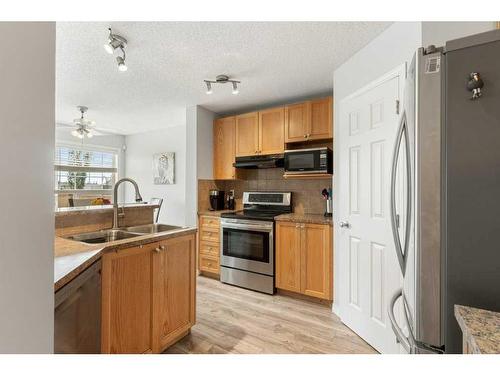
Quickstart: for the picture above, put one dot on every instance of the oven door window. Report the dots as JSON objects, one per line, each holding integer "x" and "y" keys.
{"x": 246, "y": 244}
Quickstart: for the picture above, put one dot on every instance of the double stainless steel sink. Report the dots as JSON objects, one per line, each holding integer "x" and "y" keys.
{"x": 108, "y": 235}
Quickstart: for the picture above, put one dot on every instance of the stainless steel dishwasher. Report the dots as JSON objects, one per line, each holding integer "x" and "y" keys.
{"x": 77, "y": 316}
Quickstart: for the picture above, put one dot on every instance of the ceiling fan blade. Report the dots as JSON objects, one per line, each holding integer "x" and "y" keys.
{"x": 64, "y": 125}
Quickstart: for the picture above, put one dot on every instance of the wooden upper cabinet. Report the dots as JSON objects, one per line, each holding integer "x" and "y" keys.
{"x": 127, "y": 287}
{"x": 311, "y": 120}
{"x": 317, "y": 262}
{"x": 272, "y": 131}
{"x": 247, "y": 134}
{"x": 288, "y": 256}
{"x": 174, "y": 292}
{"x": 296, "y": 122}
{"x": 321, "y": 125}
{"x": 224, "y": 148}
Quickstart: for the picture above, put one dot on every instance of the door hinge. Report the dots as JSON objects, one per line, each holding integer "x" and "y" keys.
{"x": 397, "y": 107}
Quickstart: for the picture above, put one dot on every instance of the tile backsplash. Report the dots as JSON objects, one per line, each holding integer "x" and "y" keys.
{"x": 306, "y": 194}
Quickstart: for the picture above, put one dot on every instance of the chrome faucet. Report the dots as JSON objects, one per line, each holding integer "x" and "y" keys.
{"x": 138, "y": 198}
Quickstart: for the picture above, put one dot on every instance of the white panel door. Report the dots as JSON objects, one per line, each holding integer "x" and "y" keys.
{"x": 368, "y": 268}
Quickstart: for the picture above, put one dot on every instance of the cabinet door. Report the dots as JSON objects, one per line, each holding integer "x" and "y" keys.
{"x": 247, "y": 134}
{"x": 174, "y": 291}
{"x": 224, "y": 148}
{"x": 316, "y": 278}
{"x": 127, "y": 286}
{"x": 296, "y": 122}
{"x": 288, "y": 256}
{"x": 272, "y": 131}
{"x": 321, "y": 124}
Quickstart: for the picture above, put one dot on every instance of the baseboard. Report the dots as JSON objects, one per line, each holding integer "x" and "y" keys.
{"x": 304, "y": 297}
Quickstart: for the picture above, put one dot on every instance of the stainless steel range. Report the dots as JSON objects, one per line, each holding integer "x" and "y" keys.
{"x": 247, "y": 240}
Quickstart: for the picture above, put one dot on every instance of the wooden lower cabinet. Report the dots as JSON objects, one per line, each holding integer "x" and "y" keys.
{"x": 304, "y": 260}
{"x": 148, "y": 296}
{"x": 288, "y": 256}
{"x": 209, "y": 245}
{"x": 174, "y": 291}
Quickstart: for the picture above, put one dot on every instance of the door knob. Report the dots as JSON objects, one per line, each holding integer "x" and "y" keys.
{"x": 344, "y": 224}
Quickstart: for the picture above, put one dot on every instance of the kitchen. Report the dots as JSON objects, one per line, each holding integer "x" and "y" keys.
{"x": 228, "y": 222}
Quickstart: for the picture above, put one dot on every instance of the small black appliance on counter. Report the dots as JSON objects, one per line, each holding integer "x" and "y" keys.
{"x": 216, "y": 200}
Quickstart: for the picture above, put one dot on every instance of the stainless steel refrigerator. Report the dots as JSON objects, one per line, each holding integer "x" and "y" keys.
{"x": 446, "y": 225}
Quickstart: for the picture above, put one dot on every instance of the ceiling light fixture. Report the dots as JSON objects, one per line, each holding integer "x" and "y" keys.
{"x": 115, "y": 42}
{"x": 222, "y": 79}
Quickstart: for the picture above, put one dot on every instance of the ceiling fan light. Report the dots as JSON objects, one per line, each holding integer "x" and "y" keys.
{"x": 80, "y": 135}
{"x": 74, "y": 133}
{"x": 90, "y": 134}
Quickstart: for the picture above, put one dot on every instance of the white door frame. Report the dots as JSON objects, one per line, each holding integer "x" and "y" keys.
{"x": 400, "y": 73}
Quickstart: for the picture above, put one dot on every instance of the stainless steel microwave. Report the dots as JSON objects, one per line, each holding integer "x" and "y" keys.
{"x": 311, "y": 160}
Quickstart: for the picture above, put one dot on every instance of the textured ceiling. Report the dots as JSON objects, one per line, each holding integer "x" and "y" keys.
{"x": 168, "y": 61}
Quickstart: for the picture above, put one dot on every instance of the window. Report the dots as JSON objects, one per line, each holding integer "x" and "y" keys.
{"x": 85, "y": 170}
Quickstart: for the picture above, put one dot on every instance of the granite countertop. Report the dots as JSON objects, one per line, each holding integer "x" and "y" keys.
{"x": 99, "y": 208}
{"x": 72, "y": 257}
{"x": 480, "y": 329}
{"x": 214, "y": 213}
{"x": 306, "y": 218}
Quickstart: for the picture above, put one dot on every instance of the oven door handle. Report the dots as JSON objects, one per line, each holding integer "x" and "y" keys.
{"x": 259, "y": 228}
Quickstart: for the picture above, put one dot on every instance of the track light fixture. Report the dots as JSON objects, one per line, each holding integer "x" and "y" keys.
{"x": 222, "y": 79}
{"x": 115, "y": 42}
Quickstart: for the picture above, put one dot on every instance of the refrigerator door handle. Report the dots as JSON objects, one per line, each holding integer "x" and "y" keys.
{"x": 408, "y": 343}
{"x": 401, "y": 252}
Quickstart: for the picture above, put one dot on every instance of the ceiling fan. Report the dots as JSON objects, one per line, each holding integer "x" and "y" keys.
{"x": 83, "y": 127}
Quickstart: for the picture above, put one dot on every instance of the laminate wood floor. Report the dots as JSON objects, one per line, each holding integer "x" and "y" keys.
{"x": 236, "y": 320}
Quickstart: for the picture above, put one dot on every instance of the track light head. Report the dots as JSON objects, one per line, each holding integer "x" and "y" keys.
{"x": 122, "y": 67}
{"x": 235, "y": 88}
{"x": 209, "y": 87}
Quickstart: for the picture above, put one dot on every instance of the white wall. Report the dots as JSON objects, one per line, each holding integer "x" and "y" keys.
{"x": 27, "y": 107}
{"x": 199, "y": 145}
{"x": 205, "y": 144}
{"x": 138, "y": 166}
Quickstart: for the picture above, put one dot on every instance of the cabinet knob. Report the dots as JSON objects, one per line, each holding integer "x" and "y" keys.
{"x": 157, "y": 249}
{"x": 297, "y": 225}
{"x": 305, "y": 135}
